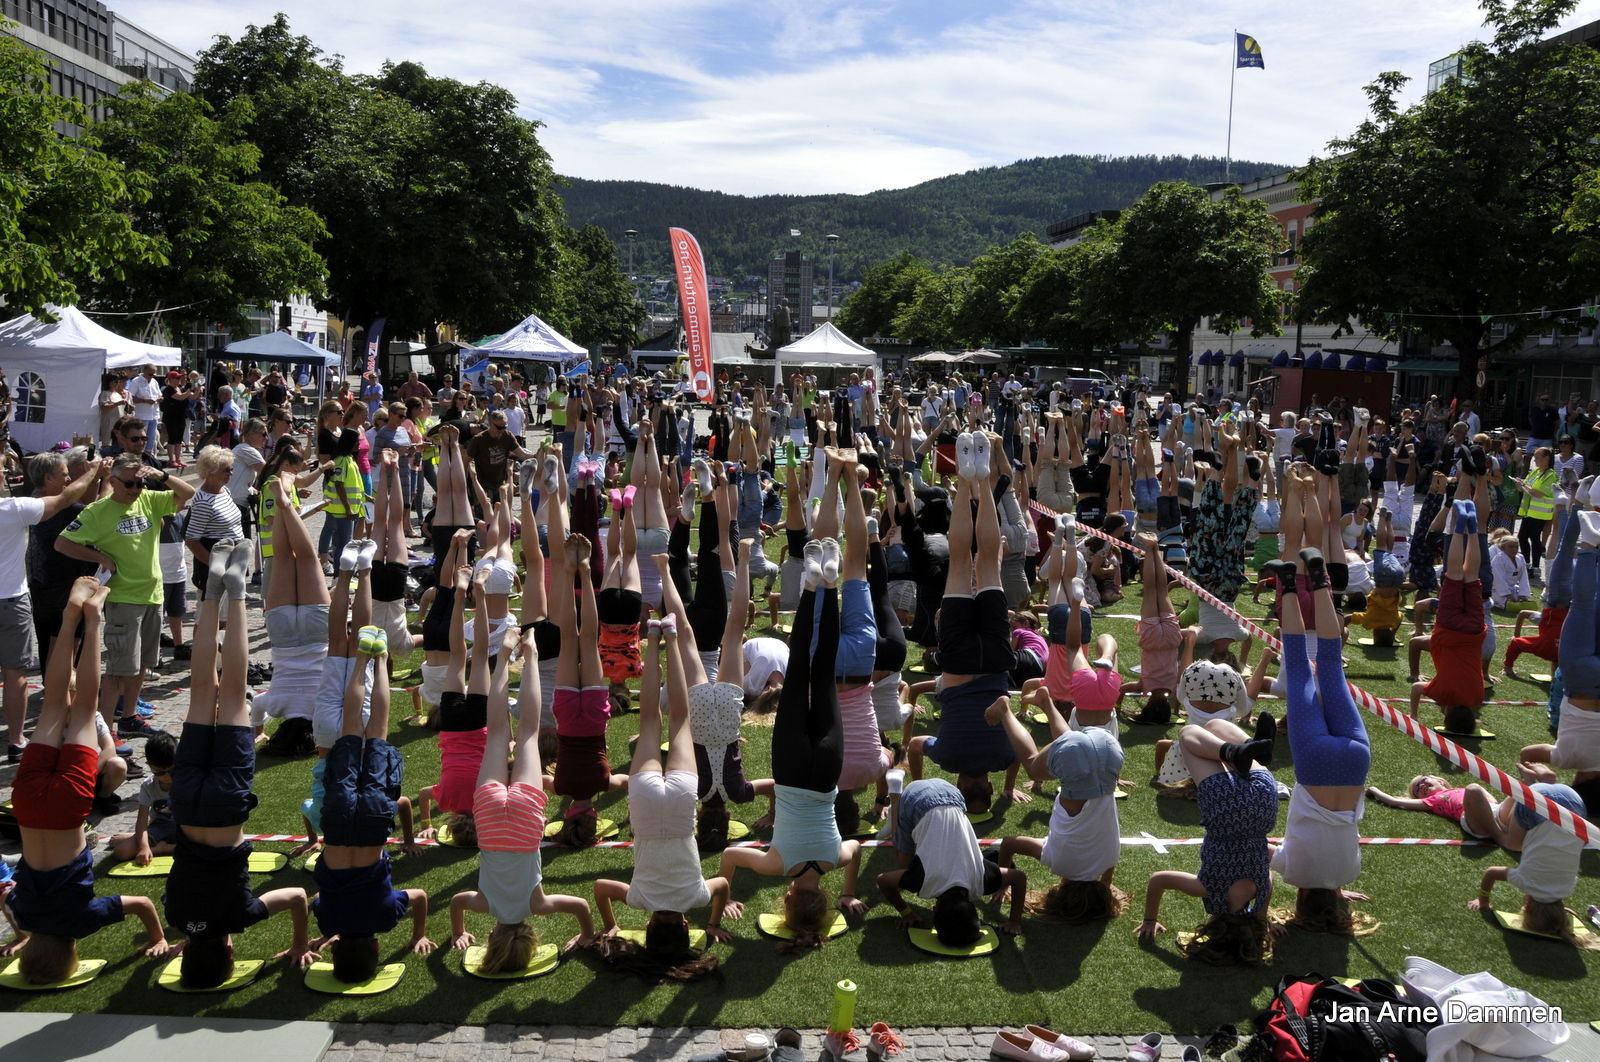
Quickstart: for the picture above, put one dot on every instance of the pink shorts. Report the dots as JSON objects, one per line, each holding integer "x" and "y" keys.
{"x": 1094, "y": 690}
{"x": 581, "y": 713}
{"x": 510, "y": 818}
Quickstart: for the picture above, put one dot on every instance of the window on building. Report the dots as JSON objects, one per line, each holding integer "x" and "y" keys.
{"x": 30, "y": 398}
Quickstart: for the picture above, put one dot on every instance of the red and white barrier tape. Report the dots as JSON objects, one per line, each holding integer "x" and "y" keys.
{"x": 1436, "y": 743}
{"x": 1156, "y": 842}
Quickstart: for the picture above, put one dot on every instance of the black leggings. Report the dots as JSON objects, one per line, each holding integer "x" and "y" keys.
{"x": 708, "y": 605}
{"x": 890, "y": 654}
{"x": 1531, "y": 537}
{"x": 436, "y": 624}
{"x": 808, "y": 734}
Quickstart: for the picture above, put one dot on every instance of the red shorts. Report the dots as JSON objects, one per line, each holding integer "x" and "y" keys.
{"x": 54, "y": 787}
{"x": 1458, "y": 659}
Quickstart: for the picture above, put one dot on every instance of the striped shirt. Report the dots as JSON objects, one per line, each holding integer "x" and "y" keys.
{"x": 214, "y": 516}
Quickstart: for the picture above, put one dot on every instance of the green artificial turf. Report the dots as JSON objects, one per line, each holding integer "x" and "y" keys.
{"x": 1086, "y": 979}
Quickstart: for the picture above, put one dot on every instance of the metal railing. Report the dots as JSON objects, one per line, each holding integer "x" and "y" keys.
{"x": 55, "y": 29}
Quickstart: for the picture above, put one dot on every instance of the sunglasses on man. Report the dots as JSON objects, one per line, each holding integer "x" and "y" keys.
{"x": 131, "y": 484}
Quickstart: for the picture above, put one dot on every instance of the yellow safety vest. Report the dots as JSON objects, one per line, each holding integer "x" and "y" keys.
{"x": 1533, "y": 506}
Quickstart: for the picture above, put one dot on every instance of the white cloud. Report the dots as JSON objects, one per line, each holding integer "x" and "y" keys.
{"x": 808, "y": 98}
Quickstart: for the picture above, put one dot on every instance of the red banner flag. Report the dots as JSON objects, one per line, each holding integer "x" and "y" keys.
{"x": 692, "y": 297}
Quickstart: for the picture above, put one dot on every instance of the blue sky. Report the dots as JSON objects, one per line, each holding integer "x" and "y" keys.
{"x": 782, "y": 96}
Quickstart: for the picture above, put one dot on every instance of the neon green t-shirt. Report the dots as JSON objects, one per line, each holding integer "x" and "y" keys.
{"x": 131, "y": 536}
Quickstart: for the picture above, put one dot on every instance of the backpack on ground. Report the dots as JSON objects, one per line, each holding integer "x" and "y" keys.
{"x": 1317, "y": 1019}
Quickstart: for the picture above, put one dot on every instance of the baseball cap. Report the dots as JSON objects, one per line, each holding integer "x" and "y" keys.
{"x": 1087, "y": 762}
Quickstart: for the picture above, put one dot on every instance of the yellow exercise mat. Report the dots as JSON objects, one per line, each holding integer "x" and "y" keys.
{"x": 928, "y": 940}
{"x": 1512, "y": 920}
{"x": 444, "y": 836}
{"x": 320, "y": 979}
{"x": 1039, "y": 717}
{"x": 604, "y": 829}
{"x": 88, "y": 970}
{"x": 976, "y": 817}
{"x": 545, "y": 959}
{"x": 772, "y": 925}
{"x": 1478, "y": 732}
{"x": 737, "y": 831}
{"x": 244, "y": 971}
{"x": 311, "y": 862}
{"x": 1543, "y": 678}
{"x": 161, "y": 866}
{"x": 697, "y": 937}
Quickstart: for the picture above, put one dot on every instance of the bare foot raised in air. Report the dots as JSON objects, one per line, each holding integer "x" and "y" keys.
{"x": 463, "y": 578}
{"x": 1147, "y": 540}
{"x": 578, "y": 550}
{"x": 82, "y": 590}
{"x": 662, "y": 561}
{"x": 997, "y": 711}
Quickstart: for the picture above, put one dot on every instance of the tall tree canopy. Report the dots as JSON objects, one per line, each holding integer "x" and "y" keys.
{"x": 63, "y": 206}
{"x": 885, "y": 289}
{"x": 226, "y": 241}
{"x": 437, "y": 196}
{"x": 1450, "y": 216}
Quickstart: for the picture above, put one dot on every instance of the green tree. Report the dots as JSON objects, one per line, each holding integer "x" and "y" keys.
{"x": 1177, "y": 257}
{"x": 63, "y": 216}
{"x": 227, "y": 241}
{"x": 437, "y": 196}
{"x": 1451, "y": 215}
{"x": 596, "y": 303}
{"x": 982, "y": 314}
{"x": 885, "y": 289}
{"x": 929, "y": 316}
{"x": 1048, "y": 302}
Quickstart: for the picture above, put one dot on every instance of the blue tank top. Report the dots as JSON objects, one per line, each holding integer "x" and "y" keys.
{"x": 804, "y": 828}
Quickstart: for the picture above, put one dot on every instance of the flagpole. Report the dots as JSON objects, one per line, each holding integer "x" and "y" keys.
{"x": 1227, "y": 160}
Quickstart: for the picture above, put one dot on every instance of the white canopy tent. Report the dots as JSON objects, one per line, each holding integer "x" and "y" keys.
{"x": 55, "y": 370}
{"x": 825, "y": 348}
{"x": 531, "y": 340}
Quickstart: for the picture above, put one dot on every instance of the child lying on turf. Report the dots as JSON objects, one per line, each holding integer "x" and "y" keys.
{"x": 1469, "y": 807}
{"x": 508, "y": 809}
{"x": 1547, "y": 870}
{"x": 356, "y": 898}
{"x": 667, "y": 881}
{"x": 52, "y": 899}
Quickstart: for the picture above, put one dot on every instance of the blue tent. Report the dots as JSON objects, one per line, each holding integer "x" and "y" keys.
{"x": 1280, "y": 360}
{"x": 279, "y": 346}
{"x": 1356, "y": 363}
{"x": 1235, "y": 360}
{"x": 1314, "y": 360}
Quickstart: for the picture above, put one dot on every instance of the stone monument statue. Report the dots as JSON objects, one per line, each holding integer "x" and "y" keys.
{"x": 782, "y": 323}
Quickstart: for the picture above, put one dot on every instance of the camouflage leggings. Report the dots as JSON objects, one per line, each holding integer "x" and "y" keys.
{"x": 1217, "y": 549}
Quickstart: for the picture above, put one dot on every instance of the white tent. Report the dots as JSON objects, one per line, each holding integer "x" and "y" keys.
{"x": 825, "y": 348}
{"x": 531, "y": 340}
{"x": 55, "y": 369}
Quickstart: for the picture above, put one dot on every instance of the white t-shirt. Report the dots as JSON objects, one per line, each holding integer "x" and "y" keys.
{"x": 763, "y": 657}
{"x": 16, "y": 514}
{"x": 516, "y": 419}
{"x": 1084, "y": 846}
{"x": 1320, "y": 848}
{"x": 245, "y": 458}
{"x": 949, "y": 852}
{"x": 1548, "y": 869}
{"x": 142, "y": 393}
{"x": 296, "y": 678}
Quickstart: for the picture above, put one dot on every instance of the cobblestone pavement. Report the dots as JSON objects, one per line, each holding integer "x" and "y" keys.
{"x": 569, "y": 1043}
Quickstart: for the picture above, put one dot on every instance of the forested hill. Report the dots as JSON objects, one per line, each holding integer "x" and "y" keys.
{"x": 948, "y": 221}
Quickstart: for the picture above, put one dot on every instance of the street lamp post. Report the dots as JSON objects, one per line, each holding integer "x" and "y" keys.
{"x": 832, "y": 239}
{"x": 631, "y": 234}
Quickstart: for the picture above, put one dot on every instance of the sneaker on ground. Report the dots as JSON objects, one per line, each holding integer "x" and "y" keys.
{"x": 137, "y": 727}
{"x": 841, "y": 1045}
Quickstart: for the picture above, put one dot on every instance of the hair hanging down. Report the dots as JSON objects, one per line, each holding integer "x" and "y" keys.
{"x": 581, "y": 830}
{"x": 355, "y": 958}
{"x": 665, "y": 957}
{"x": 463, "y": 829}
{"x": 764, "y": 706}
{"x": 1074, "y": 903}
{"x": 510, "y": 948}
{"x": 48, "y": 959}
{"x": 206, "y": 963}
{"x": 711, "y": 829}
{"x": 1228, "y": 939}
{"x": 808, "y": 914}
{"x": 1556, "y": 919}
{"x": 1459, "y": 719}
{"x": 291, "y": 740}
{"x": 1326, "y": 911}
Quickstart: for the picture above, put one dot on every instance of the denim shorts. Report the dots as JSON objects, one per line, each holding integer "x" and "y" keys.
{"x": 750, "y": 502}
{"x": 1146, "y": 493}
{"x": 858, "y": 630}
{"x": 361, "y": 788}
{"x": 919, "y": 798}
{"x": 211, "y": 776}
